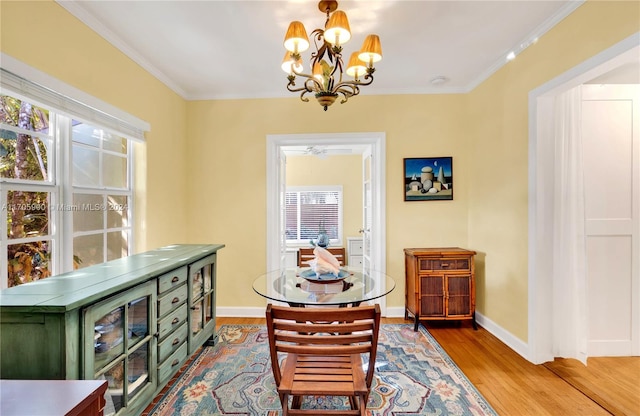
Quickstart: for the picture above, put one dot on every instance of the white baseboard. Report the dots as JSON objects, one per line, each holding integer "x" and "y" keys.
{"x": 516, "y": 344}
{"x": 240, "y": 312}
{"x": 395, "y": 312}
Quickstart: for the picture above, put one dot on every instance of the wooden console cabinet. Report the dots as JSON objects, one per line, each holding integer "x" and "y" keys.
{"x": 132, "y": 322}
{"x": 439, "y": 284}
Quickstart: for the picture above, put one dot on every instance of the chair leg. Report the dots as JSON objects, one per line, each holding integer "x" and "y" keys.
{"x": 353, "y": 403}
{"x": 363, "y": 406}
{"x": 284, "y": 401}
{"x": 296, "y": 402}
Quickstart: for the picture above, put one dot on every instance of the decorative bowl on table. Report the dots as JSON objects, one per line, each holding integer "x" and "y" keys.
{"x": 312, "y": 276}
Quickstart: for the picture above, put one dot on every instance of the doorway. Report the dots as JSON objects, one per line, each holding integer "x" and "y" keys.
{"x": 371, "y": 144}
{"x": 617, "y": 60}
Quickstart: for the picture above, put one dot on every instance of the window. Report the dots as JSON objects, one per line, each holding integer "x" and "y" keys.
{"x": 27, "y": 177}
{"x": 66, "y": 192}
{"x": 310, "y": 210}
{"x": 101, "y": 195}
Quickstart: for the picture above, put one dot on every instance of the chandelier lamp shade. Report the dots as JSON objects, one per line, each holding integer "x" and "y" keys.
{"x": 329, "y": 78}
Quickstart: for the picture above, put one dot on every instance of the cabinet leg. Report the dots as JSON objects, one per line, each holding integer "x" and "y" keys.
{"x": 211, "y": 341}
{"x": 416, "y": 323}
{"x": 475, "y": 326}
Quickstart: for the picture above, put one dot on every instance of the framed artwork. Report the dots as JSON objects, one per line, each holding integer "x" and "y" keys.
{"x": 428, "y": 178}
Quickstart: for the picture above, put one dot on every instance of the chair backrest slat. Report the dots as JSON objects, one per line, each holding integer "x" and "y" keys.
{"x": 324, "y": 350}
{"x": 324, "y": 339}
{"x": 343, "y": 328}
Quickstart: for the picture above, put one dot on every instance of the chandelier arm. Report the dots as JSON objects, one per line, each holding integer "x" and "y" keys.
{"x": 296, "y": 89}
{"x": 351, "y": 89}
{"x": 348, "y": 90}
{"x": 347, "y": 94}
{"x": 368, "y": 80}
{"x": 302, "y": 74}
{"x": 314, "y": 83}
{"x": 302, "y": 97}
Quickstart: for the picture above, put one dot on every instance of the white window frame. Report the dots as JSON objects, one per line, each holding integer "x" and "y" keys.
{"x": 65, "y": 103}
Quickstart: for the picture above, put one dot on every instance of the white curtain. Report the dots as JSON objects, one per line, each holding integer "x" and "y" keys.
{"x": 569, "y": 251}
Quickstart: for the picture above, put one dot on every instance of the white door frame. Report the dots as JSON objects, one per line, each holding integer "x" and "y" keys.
{"x": 376, "y": 141}
{"x": 541, "y": 100}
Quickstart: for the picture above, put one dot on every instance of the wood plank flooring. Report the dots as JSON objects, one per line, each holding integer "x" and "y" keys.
{"x": 515, "y": 387}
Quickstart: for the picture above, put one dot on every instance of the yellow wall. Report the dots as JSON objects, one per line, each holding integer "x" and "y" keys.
{"x": 344, "y": 170}
{"x": 204, "y": 169}
{"x": 228, "y": 149}
{"x": 498, "y": 117}
{"x": 45, "y": 36}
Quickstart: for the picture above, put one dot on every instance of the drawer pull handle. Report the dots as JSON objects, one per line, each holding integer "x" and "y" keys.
{"x": 175, "y": 362}
{"x": 175, "y": 300}
{"x": 175, "y": 341}
{"x": 445, "y": 264}
{"x": 175, "y": 321}
{"x": 175, "y": 279}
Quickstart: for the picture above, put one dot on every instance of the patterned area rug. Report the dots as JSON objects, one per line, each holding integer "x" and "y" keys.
{"x": 414, "y": 376}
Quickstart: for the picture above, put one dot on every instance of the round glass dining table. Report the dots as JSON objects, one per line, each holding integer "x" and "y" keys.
{"x": 301, "y": 287}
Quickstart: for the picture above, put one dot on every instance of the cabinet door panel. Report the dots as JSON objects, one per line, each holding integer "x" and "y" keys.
{"x": 201, "y": 314}
{"x": 137, "y": 370}
{"x": 108, "y": 336}
{"x": 202, "y": 306}
{"x": 432, "y": 285}
{"x": 432, "y": 306}
{"x": 119, "y": 346}
{"x": 459, "y": 299}
{"x": 432, "y": 296}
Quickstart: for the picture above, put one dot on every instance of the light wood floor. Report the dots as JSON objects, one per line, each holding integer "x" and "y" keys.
{"x": 515, "y": 387}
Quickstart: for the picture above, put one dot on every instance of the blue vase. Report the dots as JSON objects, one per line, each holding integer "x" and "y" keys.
{"x": 323, "y": 240}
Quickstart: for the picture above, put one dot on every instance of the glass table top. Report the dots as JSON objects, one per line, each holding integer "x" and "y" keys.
{"x": 353, "y": 286}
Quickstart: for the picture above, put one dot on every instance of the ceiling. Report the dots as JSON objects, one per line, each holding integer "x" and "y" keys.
{"x": 233, "y": 49}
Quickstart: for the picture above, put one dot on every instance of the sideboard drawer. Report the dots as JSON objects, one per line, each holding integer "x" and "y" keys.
{"x": 172, "y": 279}
{"x": 172, "y": 300}
{"x": 172, "y": 343}
{"x": 172, "y": 364}
{"x": 172, "y": 321}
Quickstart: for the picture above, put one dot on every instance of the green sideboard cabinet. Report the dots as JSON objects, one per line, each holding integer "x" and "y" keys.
{"x": 132, "y": 321}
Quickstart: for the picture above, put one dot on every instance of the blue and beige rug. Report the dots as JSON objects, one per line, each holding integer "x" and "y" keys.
{"x": 414, "y": 377}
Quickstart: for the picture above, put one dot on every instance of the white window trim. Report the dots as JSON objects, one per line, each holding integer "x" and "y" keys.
{"x": 27, "y": 83}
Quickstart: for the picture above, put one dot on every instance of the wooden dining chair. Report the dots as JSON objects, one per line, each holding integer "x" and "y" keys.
{"x": 321, "y": 351}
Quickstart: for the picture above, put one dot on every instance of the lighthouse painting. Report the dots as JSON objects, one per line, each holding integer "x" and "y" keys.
{"x": 428, "y": 179}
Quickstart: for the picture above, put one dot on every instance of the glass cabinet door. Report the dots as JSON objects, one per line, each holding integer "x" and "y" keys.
{"x": 120, "y": 346}
{"x": 201, "y": 301}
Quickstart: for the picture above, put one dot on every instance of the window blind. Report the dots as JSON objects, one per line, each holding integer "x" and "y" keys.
{"x": 309, "y": 210}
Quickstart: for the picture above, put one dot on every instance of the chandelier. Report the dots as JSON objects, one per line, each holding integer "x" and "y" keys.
{"x": 327, "y": 68}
